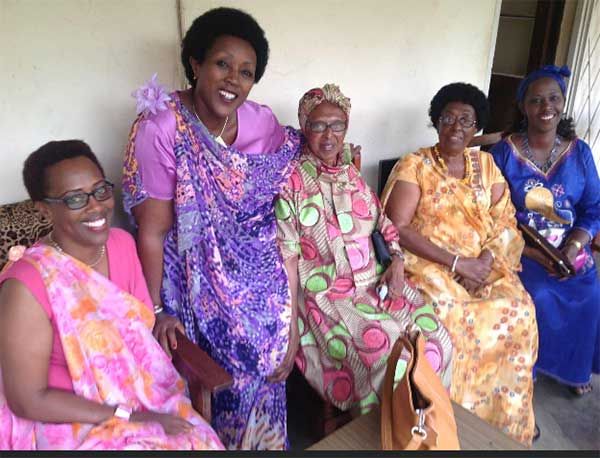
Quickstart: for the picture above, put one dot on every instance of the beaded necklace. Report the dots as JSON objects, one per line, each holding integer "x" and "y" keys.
{"x": 551, "y": 159}
{"x": 61, "y": 251}
{"x": 468, "y": 166}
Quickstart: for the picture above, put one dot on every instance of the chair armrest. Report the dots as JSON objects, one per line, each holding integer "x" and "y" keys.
{"x": 204, "y": 376}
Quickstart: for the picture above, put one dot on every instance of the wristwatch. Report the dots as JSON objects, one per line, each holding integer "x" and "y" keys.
{"x": 122, "y": 412}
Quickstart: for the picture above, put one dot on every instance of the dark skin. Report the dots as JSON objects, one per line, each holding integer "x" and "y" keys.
{"x": 543, "y": 106}
{"x": 327, "y": 146}
{"x": 471, "y": 272}
{"x": 227, "y": 72}
{"x": 26, "y": 334}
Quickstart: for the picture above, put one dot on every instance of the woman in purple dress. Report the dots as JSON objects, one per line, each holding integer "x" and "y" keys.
{"x": 201, "y": 171}
{"x": 555, "y": 188}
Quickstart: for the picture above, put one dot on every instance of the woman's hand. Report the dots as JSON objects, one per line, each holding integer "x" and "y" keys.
{"x": 164, "y": 331}
{"x": 356, "y": 150}
{"x": 470, "y": 285}
{"x": 487, "y": 256}
{"x": 570, "y": 251}
{"x": 474, "y": 269}
{"x": 283, "y": 371}
{"x": 393, "y": 277}
{"x": 538, "y": 256}
{"x": 171, "y": 424}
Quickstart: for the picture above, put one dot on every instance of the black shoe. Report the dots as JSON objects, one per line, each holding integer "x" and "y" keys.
{"x": 536, "y": 433}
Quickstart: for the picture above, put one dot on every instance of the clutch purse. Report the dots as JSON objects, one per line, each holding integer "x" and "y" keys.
{"x": 382, "y": 252}
{"x": 534, "y": 239}
{"x": 416, "y": 413}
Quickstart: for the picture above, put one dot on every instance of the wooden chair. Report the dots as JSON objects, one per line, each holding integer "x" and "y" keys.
{"x": 386, "y": 165}
{"x": 22, "y": 224}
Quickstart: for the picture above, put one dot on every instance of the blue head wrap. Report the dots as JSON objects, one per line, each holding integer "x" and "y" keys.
{"x": 558, "y": 74}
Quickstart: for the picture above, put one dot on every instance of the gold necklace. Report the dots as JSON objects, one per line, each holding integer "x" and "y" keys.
{"x": 61, "y": 251}
{"x": 468, "y": 165}
{"x": 218, "y": 138}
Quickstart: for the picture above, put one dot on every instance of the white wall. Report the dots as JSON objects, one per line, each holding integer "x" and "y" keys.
{"x": 68, "y": 67}
{"x": 389, "y": 57}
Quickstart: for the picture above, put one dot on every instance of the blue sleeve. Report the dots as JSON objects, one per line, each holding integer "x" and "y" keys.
{"x": 588, "y": 207}
{"x": 498, "y": 151}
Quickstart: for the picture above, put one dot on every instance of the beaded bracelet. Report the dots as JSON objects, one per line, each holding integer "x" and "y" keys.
{"x": 158, "y": 308}
{"x": 399, "y": 254}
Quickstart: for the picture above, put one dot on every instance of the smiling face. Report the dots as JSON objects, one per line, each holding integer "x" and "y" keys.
{"x": 224, "y": 78}
{"x": 543, "y": 105}
{"x": 87, "y": 226}
{"x": 454, "y": 138}
{"x": 326, "y": 145}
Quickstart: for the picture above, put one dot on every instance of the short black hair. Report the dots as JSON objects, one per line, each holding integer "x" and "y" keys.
{"x": 464, "y": 93}
{"x": 34, "y": 168}
{"x": 209, "y": 26}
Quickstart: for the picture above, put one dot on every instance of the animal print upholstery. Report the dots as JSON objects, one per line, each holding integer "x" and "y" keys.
{"x": 20, "y": 224}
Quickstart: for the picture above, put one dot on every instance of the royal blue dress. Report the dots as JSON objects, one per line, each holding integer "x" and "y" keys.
{"x": 568, "y": 311}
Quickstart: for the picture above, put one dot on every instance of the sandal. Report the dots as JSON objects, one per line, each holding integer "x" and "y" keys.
{"x": 536, "y": 433}
{"x": 581, "y": 390}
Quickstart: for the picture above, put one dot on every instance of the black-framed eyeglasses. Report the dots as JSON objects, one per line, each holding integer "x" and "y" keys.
{"x": 319, "y": 127}
{"x": 80, "y": 199}
{"x": 464, "y": 121}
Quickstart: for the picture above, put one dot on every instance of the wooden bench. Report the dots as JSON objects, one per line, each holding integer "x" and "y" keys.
{"x": 363, "y": 433}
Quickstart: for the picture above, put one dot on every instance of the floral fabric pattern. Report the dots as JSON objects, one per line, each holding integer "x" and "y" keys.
{"x": 494, "y": 333}
{"x": 112, "y": 358}
{"x": 223, "y": 274}
{"x": 326, "y": 215}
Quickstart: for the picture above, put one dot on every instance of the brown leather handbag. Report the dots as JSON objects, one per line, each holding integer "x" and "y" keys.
{"x": 417, "y": 413}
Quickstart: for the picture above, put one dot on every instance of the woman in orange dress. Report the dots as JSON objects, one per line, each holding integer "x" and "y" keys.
{"x": 453, "y": 212}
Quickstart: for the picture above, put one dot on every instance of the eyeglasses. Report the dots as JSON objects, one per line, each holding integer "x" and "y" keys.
{"x": 319, "y": 127}
{"x": 80, "y": 199}
{"x": 464, "y": 121}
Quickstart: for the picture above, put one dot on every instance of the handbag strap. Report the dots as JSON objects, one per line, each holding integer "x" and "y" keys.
{"x": 387, "y": 392}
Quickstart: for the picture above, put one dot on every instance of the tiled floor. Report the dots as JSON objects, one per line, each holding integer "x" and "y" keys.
{"x": 566, "y": 421}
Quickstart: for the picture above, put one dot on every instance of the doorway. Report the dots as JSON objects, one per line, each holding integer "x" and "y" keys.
{"x": 528, "y": 37}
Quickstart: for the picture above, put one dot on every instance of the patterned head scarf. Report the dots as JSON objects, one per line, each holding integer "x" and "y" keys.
{"x": 558, "y": 74}
{"x": 312, "y": 99}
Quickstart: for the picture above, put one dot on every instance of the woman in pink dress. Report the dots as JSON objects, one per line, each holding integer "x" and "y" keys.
{"x": 80, "y": 368}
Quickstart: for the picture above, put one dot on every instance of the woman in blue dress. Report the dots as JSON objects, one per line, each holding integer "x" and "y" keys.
{"x": 555, "y": 188}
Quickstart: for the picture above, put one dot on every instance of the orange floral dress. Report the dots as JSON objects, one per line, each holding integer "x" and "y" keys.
{"x": 494, "y": 332}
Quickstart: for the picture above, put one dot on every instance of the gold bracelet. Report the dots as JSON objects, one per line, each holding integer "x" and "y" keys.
{"x": 577, "y": 244}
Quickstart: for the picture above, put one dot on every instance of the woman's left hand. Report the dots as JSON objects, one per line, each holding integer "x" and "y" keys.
{"x": 470, "y": 285}
{"x": 164, "y": 331}
{"x": 394, "y": 278}
{"x": 570, "y": 251}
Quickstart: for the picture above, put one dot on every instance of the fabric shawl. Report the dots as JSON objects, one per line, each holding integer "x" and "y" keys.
{"x": 113, "y": 359}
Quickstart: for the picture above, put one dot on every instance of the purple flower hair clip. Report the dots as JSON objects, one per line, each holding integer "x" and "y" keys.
{"x": 151, "y": 97}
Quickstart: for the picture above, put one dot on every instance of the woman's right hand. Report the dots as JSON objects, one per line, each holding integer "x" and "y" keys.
{"x": 538, "y": 256}
{"x": 474, "y": 269}
{"x": 164, "y": 331}
{"x": 171, "y": 424}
